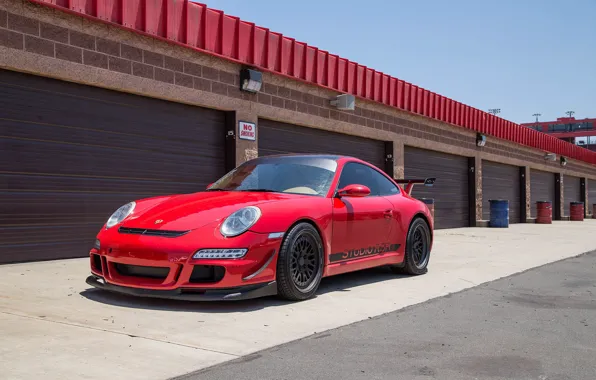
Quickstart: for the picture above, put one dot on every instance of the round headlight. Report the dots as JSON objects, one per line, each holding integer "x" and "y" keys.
{"x": 120, "y": 214}
{"x": 240, "y": 221}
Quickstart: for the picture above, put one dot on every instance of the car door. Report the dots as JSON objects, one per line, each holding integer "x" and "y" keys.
{"x": 361, "y": 225}
{"x": 391, "y": 192}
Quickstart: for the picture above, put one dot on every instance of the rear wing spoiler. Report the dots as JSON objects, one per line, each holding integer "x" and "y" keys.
{"x": 415, "y": 181}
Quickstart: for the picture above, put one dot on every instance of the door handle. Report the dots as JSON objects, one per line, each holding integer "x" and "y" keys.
{"x": 388, "y": 213}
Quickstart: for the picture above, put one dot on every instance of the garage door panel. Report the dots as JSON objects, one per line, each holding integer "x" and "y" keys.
{"x": 79, "y": 247}
{"x": 542, "y": 188}
{"x": 76, "y": 153}
{"x": 281, "y": 138}
{"x": 129, "y": 185}
{"x": 141, "y": 115}
{"x": 48, "y": 234}
{"x": 107, "y": 140}
{"x": 450, "y": 191}
{"x": 58, "y": 158}
{"x": 151, "y": 125}
{"x": 36, "y": 208}
{"x": 500, "y": 181}
{"x": 571, "y": 192}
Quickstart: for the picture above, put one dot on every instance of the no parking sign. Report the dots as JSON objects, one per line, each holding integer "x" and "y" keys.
{"x": 247, "y": 131}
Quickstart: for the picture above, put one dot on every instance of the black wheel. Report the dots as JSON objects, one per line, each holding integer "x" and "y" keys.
{"x": 300, "y": 263}
{"x": 417, "y": 255}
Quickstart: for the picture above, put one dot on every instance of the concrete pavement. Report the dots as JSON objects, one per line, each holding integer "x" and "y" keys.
{"x": 97, "y": 335}
{"x": 535, "y": 325}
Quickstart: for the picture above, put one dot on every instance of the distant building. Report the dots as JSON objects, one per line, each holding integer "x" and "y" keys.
{"x": 580, "y": 132}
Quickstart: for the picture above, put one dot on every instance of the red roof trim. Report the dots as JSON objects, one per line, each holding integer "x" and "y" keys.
{"x": 211, "y": 31}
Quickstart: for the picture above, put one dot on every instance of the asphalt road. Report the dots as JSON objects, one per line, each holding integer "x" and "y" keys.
{"x": 540, "y": 324}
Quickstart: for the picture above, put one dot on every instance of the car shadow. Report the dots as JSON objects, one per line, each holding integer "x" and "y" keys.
{"x": 339, "y": 283}
{"x": 348, "y": 281}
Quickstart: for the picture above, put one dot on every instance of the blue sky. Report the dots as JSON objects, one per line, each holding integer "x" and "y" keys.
{"x": 522, "y": 56}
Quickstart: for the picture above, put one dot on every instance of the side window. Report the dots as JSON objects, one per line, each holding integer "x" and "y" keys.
{"x": 355, "y": 173}
{"x": 385, "y": 186}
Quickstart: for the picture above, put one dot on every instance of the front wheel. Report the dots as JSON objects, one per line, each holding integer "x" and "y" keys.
{"x": 417, "y": 255}
{"x": 300, "y": 263}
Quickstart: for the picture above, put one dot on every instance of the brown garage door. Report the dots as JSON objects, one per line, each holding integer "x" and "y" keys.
{"x": 500, "y": 181}
{"x": 571, "y": 191}
{"x": 72, "y": 154}
{"x": 450, "y": 191}
{"x": 281, "y": 138}
{"x": 542, "y": 188}
{"x": 591, "y": 195}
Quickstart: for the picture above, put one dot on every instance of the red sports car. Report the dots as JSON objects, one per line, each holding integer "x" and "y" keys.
{"x": 275, "y": 225}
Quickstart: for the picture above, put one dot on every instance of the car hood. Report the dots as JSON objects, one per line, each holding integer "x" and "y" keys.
{"x": 191, "y": 211}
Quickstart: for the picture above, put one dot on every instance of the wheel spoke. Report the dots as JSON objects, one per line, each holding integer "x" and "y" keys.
{"x": 304, "y": 261}
{"x": 419, "y": 246}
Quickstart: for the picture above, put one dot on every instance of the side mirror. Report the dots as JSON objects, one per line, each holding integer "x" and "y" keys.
{"x": 354, "y": 190}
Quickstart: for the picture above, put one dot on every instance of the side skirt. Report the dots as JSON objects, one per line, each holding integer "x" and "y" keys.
{"x": 386, "y": 258}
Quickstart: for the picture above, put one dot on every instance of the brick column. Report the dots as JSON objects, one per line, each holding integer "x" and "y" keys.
{"x": 559, "y": 198}
{"x": 398, "y": 159}
{"x": 478, "y": 185}
{"x": 526, "y": 181}
{"x": 587, "y": 205}
{"x": 245, "y": 149}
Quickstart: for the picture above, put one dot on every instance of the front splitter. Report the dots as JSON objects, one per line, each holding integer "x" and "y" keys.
{"x": 191, "y": 294}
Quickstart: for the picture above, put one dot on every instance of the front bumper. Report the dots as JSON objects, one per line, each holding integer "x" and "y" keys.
{"x": 191, "y": 294}
{"x": 154, "y": 266}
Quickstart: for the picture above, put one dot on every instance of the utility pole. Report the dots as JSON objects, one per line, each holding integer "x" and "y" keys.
{"x": 536, "y": 115}
{"x": 494, "y": 111}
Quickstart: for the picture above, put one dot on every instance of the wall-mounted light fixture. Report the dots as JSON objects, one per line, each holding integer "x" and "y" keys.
{"x": 344, "y": 102}
{"x": 550, "y": 157}
{"x": 250, "y": 80}
{"x": 480, "y": 139}
{"x": 563, "y": 161}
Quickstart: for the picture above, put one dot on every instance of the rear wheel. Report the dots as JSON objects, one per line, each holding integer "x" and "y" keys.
{"x": 417, "y": 255}
{"x": 300, "y": 263}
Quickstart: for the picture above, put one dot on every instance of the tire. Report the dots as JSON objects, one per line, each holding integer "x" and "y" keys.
{"x": 417, "y": 255}
{"x": 300, "y": 263}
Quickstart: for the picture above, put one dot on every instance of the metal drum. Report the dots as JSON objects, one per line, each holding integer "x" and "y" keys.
{"x": 544, "y": 212}
{"x": 499, "y": 213}
{"x": 576, "y": 210}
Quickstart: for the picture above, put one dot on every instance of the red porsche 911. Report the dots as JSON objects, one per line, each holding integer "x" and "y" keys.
{"x": 275, "y": 225}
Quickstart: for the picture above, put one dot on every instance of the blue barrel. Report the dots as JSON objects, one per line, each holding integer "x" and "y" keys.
{"x": 499, "y": 213}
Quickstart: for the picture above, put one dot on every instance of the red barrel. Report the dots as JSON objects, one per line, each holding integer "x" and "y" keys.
{"x": 577, "y": 211}
{"x": 544, "y": 213}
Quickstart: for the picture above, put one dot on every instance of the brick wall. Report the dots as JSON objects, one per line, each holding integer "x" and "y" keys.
{"x": 43, "y": 38}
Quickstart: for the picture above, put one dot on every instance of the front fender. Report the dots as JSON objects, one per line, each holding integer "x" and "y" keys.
{"x": 279, "y": 216}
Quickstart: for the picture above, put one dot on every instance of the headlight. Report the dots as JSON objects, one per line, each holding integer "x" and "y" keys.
{"x": 120, "y": 214}
{"x": 240, "y": 221}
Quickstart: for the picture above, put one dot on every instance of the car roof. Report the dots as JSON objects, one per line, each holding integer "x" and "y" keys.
{"x": 310, "y": 155}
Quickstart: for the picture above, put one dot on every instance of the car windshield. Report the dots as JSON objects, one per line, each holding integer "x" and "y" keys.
{"x": 286, "y": 174}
